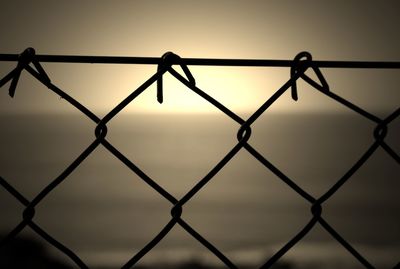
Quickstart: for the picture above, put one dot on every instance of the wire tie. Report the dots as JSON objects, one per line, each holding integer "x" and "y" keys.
{"x": 297, "y": 64}
{"x": 167, "y": 60}
{"x": 24, "y": 59}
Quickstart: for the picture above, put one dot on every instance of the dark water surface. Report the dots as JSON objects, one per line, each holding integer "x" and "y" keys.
{"x": 105, "y": 213}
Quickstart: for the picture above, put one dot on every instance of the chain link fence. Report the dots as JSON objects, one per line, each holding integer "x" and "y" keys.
{"x": 30, "y": 62}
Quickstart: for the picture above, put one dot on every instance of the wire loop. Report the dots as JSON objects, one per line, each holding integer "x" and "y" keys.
{"x": 167, "y": 60}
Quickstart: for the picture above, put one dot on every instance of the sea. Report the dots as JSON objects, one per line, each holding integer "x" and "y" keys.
{"x": 105, "y": 213}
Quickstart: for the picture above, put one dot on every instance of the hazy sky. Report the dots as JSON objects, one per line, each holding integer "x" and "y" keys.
{"x": 330, "y": 30}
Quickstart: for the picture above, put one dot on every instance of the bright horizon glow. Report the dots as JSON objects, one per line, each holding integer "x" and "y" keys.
{"x": 240, "y": 89}
{"x": 229, "y": 87}
{"x": 243, "y": 90}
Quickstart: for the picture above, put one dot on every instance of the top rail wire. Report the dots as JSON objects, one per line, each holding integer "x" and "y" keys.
{"x": 201, "y": 61}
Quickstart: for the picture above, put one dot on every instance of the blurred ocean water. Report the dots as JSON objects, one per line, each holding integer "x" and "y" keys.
{"x": 106, "y": 213}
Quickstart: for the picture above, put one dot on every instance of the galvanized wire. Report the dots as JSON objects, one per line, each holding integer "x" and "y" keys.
{"x": 298, "y": 67}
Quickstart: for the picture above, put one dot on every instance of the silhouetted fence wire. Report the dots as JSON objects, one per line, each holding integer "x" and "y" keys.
{"x": 30, "y": 62}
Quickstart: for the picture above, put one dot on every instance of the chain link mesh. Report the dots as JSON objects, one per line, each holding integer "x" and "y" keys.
{"x": 29, "y": 61}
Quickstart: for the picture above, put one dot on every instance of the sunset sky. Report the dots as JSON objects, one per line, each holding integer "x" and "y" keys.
{"x": 339, "y": 30}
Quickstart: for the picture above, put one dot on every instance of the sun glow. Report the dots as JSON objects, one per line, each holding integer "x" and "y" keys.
{"x": 102, "y": 87}
{"x": 239, "y": 89}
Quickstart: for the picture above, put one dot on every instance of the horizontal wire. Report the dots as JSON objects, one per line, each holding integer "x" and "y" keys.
{"x": 201, "y": 61}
